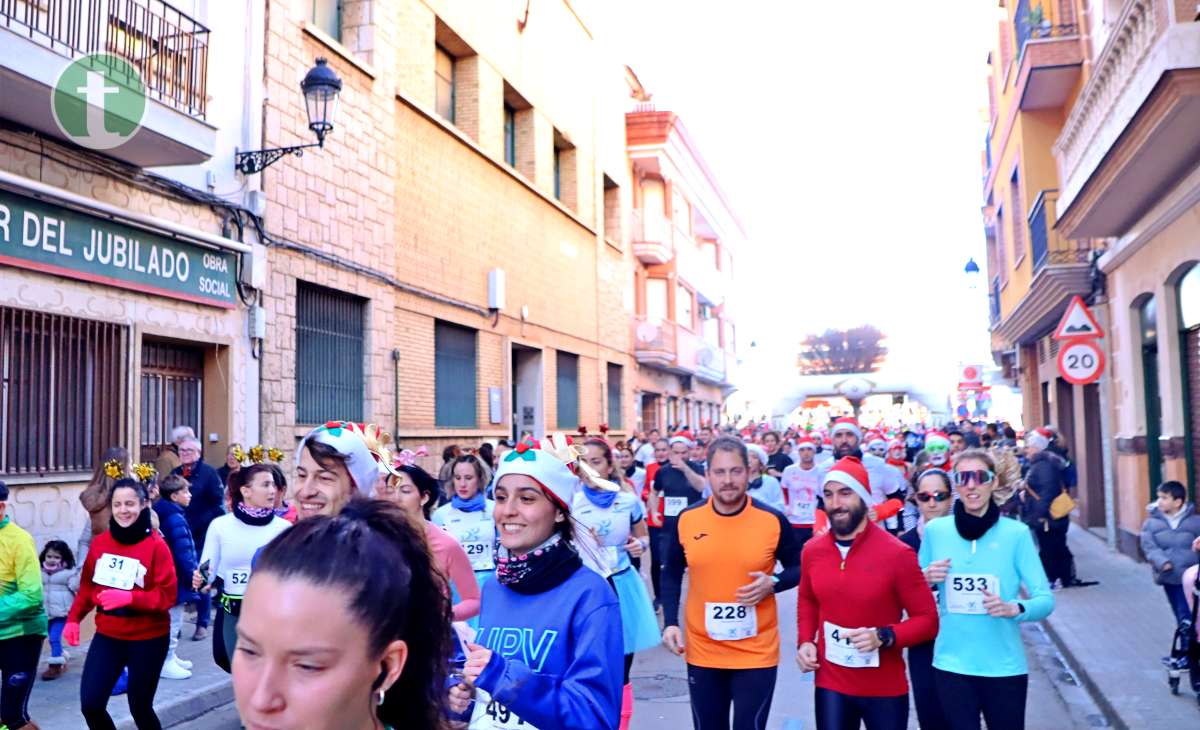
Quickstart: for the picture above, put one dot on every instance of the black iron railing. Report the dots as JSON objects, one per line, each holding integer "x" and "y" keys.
{"x": 1039, "y": 244}
{"x": 168, "y": 48}
{"x": 1034, "y": 24}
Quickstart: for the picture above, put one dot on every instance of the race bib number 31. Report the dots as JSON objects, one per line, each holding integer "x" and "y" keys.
{"x": 730, "y": 621}
{"x": 964, "y": 592}
{"x": 840, "y": 650}
{"x": 116, "y": 571}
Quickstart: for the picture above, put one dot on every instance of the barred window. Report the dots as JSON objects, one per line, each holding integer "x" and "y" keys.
{"x": 568, "y": 390}
{"x": 329, "y": 354}
{"x": 454, "y": 375}
{"x": 64, "y": 391}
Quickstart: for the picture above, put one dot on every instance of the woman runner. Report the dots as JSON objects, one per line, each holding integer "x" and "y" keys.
{"x": 468, "y": 516}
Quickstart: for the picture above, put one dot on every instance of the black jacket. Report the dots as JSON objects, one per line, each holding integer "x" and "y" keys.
{"x": 208, "y": 499}
{"x": 1046, "y": 479}
{"x": 174, "y": 528}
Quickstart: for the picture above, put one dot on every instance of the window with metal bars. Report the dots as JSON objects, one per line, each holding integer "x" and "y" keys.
{"x": 614, "y": 396}
{"x": 329, "y": 354}
{"x": 64, "y": 391}
{"x": 567, "y": 378}
{"x": 454, "y": 376}
{"x": 172, "y": 392}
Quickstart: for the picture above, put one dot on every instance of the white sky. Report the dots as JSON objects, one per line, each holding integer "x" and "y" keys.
{"x": 848, "y": 137}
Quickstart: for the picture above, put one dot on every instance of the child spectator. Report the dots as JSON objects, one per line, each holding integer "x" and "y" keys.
{"x": 60, "y": 582}
{"x": 1167, "y": 538}
{"x": 175, "y": 494}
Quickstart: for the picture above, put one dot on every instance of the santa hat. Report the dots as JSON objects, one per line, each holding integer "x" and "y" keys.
{"x": 849, "y": 471}
{"x": 556, "y": 466}
{"x": 846, "y": 424}
{"x": 758, "y": 451}
{"x": 895, "y": 444}
{"x": 362, "y": 446}
{"x": 874, "y": 437}
{"x": 938, "y": 439}
{"x": 1039, "y": 438}
{"x": 806, "y": 443}
{"x": 680, "y": 439}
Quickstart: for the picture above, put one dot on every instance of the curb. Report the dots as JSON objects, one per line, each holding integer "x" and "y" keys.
{"x": 190, "y": 706}
{"x": 1110, "y": 712}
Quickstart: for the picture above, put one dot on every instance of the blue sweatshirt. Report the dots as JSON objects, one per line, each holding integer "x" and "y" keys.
{"x": 977, "y": 644}
{"x": 558, "y": 656}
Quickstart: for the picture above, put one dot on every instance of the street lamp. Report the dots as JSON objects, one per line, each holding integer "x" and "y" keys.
{"x": 321, "y": 87}
{"x": 972, "y": 272}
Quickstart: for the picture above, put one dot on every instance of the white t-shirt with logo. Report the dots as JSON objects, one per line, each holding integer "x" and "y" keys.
{"x": 801, "y": 488}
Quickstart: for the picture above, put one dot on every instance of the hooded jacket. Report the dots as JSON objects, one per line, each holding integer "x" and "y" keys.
{"x": 1164, "y": 544}
{"x": 1046, "y": 480}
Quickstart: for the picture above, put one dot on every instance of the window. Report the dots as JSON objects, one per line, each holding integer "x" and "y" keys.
{"x": 64, "y": 391}
{"x": 454, "y": 376}
{"x": 612, "y": 211}
{"x": 614, "y": 396}
{"x": 557, "y": 173}
{"x": 1189, "y": 301}
{"x": 327, "y": 15}
{"x": 1001, "y": 248}
{"x": 566, "y": 189}
{"x": 656, "y": 300}
{"x": 444, "y": 70}
{"x": 683, "y": 305}
{"x": 1018, "y": 217}
{"x": 567, "y": 377}
{"x": 172, "y": 391}
{"x": 329, "y": 354}
{"x": 510, "y": 135}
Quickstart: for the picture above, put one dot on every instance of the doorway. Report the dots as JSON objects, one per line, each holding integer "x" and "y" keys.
{"x": 650, "y": 412}
{"x": 1093, "y": 515}
{"x": 1148, "y": 318}
{"x": 527, "y": 392}
{"x": 172, "y": 394}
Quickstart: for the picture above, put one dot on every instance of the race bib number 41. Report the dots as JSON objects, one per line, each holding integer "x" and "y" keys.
{"x": 964, "y": 592}
{"x": 840, "y": 650}
{"x": 730, "y": 621}
{"x": 116, "y": 571}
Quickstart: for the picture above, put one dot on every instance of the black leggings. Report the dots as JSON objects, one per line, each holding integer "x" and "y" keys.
{"x": 18, "y": 666}
{"x": 628, "y": 666}
{"x": 836, "y": 711}
{"x": 105, "y": 659}
{"x": 656, "y": 553}
{"x": 1057, "y": 560}
{"x": 1001, "y": 700}
{"x": 714, "y": 690}
{"x": 920, "y": 671}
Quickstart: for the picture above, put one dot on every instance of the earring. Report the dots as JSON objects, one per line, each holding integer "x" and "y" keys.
{"x": 380, "y": 694}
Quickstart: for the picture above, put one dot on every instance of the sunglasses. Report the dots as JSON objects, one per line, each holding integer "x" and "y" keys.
{"x": 977, "y": 476}
{"x": 927, "y": 497}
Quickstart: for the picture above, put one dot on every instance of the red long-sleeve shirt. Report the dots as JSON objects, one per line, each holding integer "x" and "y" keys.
{"x": 146, "y": 617}
{"x": 873, "y": 586}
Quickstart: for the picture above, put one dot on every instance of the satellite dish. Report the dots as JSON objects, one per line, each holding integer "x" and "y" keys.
{"x": 647, "y": 332}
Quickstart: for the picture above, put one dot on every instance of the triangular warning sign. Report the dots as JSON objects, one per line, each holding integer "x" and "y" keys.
{"x": 1077, "y": 322}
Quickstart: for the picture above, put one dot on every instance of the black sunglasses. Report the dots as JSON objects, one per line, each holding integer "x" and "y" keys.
{"x": 927, "y": 497}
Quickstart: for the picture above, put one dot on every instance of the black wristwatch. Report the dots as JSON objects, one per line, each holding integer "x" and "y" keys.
{"x": 887, "y": 637}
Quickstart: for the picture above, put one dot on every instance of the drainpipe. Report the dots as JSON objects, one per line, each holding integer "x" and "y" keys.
{"x": 1100, "y": 309}
{"x": 396, "y": 395}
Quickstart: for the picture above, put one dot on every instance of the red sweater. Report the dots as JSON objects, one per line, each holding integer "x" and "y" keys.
{"x": 878, "y": 580}
{"x": 146, "y": 617}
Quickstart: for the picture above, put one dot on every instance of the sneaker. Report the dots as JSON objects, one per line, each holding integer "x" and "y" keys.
{"x": 185, "y": 663}
{"x": 54, "y": 671}
{"x": 122, "y": 685}
{"x": 201, "y": 633}
{"x": 171, "y": 670}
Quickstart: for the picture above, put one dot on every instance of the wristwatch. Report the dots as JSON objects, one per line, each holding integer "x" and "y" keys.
{"x": 887, "y": 637}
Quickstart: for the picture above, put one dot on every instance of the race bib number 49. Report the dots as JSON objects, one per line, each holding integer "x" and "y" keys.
{"x": 964, "y": 592}
{"x": 730, "y": 621}
{"x": 116, "y": 571}
{"x": 840, "y": 650}
{"x": 503, "y": 718}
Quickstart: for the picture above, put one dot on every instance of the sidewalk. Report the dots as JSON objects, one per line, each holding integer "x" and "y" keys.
{"x": 1115, "y": 634}
{"x": 55, "y": 705}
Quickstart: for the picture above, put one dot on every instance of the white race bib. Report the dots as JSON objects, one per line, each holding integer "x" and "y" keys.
{"x": 964, "y": 591}
{"x": 730, "y": 621}
{"x": 498, "y": 717}
{"x": 675, "y": 505}
{"x": 236, "y": 585}
{"x": 840, "y": 650}
{"x": 480, "y": 555}
{"x": 613, "y": 554}
{"x": 116, "y": 571}
{"x": 804, "y": 513}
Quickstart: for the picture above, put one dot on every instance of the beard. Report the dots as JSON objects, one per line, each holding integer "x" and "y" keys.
{"x": 841, "y": 452}
{"x": 846, "y": 520}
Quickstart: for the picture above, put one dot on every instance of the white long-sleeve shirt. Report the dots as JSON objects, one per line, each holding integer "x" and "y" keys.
{"x": 229, "y": 547}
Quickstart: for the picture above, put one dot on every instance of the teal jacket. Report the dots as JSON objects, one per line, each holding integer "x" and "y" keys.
{"x": 977, "y": 644}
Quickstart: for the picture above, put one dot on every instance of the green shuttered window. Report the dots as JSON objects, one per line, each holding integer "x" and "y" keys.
{"x": 454, "y": 377}
{"x": 329, "y": 354}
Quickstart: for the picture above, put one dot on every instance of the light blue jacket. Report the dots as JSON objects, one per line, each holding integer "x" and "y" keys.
{"x": 980, "y": 645}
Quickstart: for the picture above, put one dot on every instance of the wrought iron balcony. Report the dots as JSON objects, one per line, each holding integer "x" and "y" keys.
{"x": 1045, "y": 19}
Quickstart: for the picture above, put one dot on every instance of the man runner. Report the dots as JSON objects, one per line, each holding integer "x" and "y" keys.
{"x": 886, "y": 481}
{"x": 729, "y": 543}
{"x": 802, "y": 484}
{"x": 857, "y": 583}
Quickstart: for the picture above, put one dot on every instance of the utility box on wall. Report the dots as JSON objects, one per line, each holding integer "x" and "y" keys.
{"x": 495, "y": 406}
{"x": 496, "y": 291}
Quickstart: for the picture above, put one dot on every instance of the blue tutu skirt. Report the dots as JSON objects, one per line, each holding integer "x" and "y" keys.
{"x": 481, "y": 577}
{"x": 638, "y": 621}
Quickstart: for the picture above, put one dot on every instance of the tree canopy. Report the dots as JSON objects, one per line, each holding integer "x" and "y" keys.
{"x": 835, "y": 352}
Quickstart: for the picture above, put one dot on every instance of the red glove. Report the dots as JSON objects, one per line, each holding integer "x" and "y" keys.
{"x": 113, "y": 598}
{"x": 70, "y": 634}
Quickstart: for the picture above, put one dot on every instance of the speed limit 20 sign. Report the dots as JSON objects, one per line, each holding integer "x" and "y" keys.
{"x": 1080, "y": 361}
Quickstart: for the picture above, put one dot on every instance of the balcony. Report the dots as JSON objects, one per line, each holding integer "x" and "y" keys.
{"x": 169, "y": 50}
{"x": 651, "y": 237}
{"x": 1050, "y": 53}
{"x": 667, "y": 346}
{"x": 1131, "y": 134}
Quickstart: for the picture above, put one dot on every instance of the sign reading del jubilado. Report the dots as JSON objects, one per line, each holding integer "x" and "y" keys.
{"x": 42, "y": 237}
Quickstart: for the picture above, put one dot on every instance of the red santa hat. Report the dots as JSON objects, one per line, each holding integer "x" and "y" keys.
{"x": 895, "y": 443}
{"x": 850, "y": 472}
{"x": 1039, "y": 438}
{"x": 937, "y": 438}
{"x": 806, "y": 443}
{"x": 847, "y": 424}
{"x": 874, "y": 437}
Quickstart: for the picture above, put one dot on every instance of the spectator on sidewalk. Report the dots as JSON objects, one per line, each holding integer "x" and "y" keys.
{"x": 95, "y": 496}
{"x": 175, "y": 496}
{"x": 208, "y": 498}
{"x": 233, "y": 463}
{"x": 60, "y": 583}
{"x": 1044, "y": 481}
{"x": 168, "y": 460}
{"x": 1167, "y": 538}
{"x": 446, "y": 474}
{"x": 22, "y": 619}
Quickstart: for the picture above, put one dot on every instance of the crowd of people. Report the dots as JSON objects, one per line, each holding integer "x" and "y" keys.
{"x": 507, "y": 589}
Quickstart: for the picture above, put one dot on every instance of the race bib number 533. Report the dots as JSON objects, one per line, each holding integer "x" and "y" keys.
{"x": 964, "y": 592}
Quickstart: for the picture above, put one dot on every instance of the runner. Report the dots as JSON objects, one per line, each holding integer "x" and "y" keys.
{"x": 937, "y": 449}
{"x": 655, "y": 517}
{"x": 334, "y": 462}
{"x": 877, "y": 444}
{"x": 857, "y": 583}
{"x": 329, "y": 640}
{"x": 230, "y": 546}
{"x": 646, "y": 454}
{"x": 634, "y": 473}
{"x": 129, "y": 577}
{"x": 23, "y": 623}
{"x": 801, "y": 485}
{"x": 763, "y": 487}
{"x": 982, "y": 561}
{"x": 678, "y": 483}
{"x": 549, "y": 651}
{"x": 468, "y": 516}
{"x": 933, "y": 495}
{"x": 619, "y": 523}
{"x": 777, "y": 460}
{"x": 416, "y": 492}
{"x": 729, "y": 544}
{"x": 886, "y": 482}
